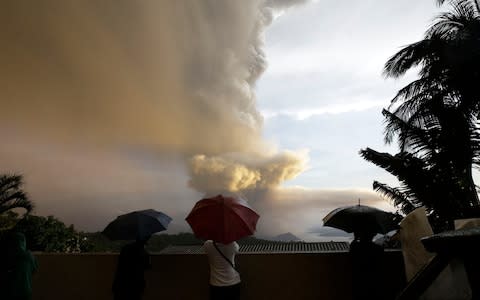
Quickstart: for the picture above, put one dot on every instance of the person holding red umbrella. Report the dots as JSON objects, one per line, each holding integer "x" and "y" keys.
{"x": 224, "y": 278}
{"x": 222, "y": 221}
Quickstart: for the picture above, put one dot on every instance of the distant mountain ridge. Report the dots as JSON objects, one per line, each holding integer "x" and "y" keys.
{"x": 286, "y": 237}
{"x": 325, "y": 231}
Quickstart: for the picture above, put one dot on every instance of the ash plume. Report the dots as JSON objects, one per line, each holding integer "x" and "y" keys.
{"x": 236, "y": 172}
{"x": 117, "y": 77}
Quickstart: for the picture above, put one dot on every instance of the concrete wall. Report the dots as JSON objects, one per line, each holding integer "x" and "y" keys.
{"x": 264, "y": 276}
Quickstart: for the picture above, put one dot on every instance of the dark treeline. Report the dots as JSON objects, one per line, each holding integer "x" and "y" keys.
{"x": 49, "y": 234}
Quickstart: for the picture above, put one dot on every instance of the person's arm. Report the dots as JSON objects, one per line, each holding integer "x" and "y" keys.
{"x": 236, "y": 247}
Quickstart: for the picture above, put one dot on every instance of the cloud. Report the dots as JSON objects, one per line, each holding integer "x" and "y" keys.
{"x": 120, "y": 72}
{"x": 90, "y": 187}
{"x": 102, "y": 101}
{"x": 340, "y": 61}
{"x": 239, "y": 172}
{"x": 168, "y": 77}
{"x": 300, "y": 210}
{"x": 302, "y": 114}
{"x": 110, "y": 106}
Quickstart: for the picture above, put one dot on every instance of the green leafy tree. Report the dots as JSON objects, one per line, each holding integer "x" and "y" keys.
{"x": 48, "y": 234}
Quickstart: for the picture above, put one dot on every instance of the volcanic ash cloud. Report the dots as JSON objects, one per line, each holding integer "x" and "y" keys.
{"x": 240, "y": 172}
{"x": 162, "y": 76}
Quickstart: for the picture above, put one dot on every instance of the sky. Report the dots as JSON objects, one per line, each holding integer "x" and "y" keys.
{"x": 112, "y": 106}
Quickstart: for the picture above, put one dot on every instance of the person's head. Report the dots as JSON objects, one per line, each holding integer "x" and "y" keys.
{"x": 364, "y": 235}
{"x": 16, "y": 242}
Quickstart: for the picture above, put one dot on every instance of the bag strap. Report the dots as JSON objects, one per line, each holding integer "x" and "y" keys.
{"x": 223, "y": 255}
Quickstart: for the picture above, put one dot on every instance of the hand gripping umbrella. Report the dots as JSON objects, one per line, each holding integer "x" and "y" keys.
{"x": 137, "y": 225}
{"x": 222, "y": 219}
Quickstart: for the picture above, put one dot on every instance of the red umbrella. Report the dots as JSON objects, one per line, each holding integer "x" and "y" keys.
{"x": 222, "y": 219}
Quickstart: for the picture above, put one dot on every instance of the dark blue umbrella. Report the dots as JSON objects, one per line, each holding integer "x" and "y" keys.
{"x": 137, "y": 225}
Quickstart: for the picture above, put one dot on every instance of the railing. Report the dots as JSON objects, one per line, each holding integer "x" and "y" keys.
{"x": 264, "y": 276}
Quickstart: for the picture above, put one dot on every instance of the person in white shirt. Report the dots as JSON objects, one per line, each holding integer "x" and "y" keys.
{"x": 224, "y": 279}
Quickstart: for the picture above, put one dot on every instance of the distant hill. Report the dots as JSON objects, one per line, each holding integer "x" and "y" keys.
{"x": 286, "y": 237}
{"x": 325, "y": 231}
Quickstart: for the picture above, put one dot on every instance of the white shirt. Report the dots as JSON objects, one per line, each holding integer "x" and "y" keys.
{"x": 221, "y": 272}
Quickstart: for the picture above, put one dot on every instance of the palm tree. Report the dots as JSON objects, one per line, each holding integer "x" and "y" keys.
{"x": 11, "y": 194}
{"x": 435, "y": 117}
{"x": 426, "y": 173}
{"x": 443, "y": 134}
{"x": 434, "y": 163}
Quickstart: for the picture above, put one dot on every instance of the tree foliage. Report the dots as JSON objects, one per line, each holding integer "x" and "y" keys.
{"x": 12, "y": 195}
{"x": 48, "y": 234}
{"x": 434, "y": 119}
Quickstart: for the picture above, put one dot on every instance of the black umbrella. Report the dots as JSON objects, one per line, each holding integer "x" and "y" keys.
{"x": 137, "y": 225}
{"x": 361, "y": 218}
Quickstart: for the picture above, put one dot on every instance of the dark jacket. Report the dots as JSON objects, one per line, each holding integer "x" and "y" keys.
{"x": 129, "y": 277}
{"x": 367, "y": 270}
{"x": 18, "y": 265}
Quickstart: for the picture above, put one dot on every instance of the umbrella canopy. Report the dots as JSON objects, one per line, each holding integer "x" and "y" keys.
{"x": 137, "y": 225}
{"x": 222, "y": 219}
{"x": 361, "y": 218}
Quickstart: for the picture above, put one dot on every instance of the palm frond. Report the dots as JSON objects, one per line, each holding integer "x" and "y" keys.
{"x": 409, "y": 57}
{"x": 11, "y": 194}
{"x": 17, "y": 203}
{"x": 473, "y": 3}
{"x": 10, "y": 182}
{"x": 416, "y": 88}
{"x": 396, "y": 196}
{"x": 402, "y": 165}
{"x": 409, "y": 135}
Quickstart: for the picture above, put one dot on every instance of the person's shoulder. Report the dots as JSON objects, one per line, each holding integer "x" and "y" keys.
{"x": 233, "y": 246}
{"x": 354, "y": 244}
{"x": 208, "y": 247}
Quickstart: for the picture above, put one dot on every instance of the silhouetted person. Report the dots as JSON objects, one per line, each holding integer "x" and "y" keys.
{"x": 18, "y": 266}
{"x": 367, "y": 259}
{"x": 129, "y": 281}
{"x": 224, "y": 278}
